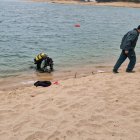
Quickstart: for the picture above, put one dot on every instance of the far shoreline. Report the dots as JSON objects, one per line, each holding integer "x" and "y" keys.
{"x": 112, "y": 4}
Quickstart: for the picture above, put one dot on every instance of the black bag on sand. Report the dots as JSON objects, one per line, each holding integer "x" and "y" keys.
{"x": 42, "y": 83}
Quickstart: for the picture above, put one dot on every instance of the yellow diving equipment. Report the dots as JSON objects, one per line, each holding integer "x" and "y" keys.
{"x": 40, "y": 57}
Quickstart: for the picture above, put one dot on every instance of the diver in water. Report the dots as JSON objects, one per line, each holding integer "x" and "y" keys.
{"x": 42, "y": 61}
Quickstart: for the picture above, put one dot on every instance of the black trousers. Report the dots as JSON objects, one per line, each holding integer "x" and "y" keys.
{"x": 132, "y": 60}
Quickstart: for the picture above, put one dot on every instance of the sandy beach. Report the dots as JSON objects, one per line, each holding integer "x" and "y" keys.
{"x": 99, "y": 106}
{"x": 114, "y": 4}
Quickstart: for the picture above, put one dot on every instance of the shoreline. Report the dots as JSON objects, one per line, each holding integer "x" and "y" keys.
{"x": 28, "y": 79}
{"x": 112, "y": 4}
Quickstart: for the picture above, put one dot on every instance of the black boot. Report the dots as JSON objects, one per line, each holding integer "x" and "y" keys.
{"x": 115, "y": 71}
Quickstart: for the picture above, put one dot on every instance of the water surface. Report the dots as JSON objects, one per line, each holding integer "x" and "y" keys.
{"x": 28, "y": 28}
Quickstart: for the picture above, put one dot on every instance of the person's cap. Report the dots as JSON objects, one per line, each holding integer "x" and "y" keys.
{"x": 138, "y": 27}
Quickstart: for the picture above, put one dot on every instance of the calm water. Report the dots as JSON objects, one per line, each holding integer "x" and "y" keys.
{"x": 28, "y": 28}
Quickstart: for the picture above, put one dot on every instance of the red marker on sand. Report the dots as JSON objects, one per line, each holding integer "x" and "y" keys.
{"x": 56, "y": 83}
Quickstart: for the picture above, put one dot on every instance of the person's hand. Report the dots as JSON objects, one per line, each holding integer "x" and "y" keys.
{"x": 126, "y": 52}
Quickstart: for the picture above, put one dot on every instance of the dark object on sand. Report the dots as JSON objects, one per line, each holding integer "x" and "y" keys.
{"x": 42, "y": 83}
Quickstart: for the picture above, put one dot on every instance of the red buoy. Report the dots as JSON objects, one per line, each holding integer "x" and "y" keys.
{"x": 77, "y": 25}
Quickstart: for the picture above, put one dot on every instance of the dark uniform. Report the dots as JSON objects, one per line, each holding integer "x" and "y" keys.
{"x": 128, "y": 44}
{"x": 43, "y": 59}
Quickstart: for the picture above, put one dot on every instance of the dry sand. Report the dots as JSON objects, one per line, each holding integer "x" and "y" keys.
{"x": 101, "y": 106}
{"x": 115, "y": 4}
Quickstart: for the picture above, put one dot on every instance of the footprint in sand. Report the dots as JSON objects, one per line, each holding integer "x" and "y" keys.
{"x": 46, "y": 102}
{"x": 63, "y": 124}
{"x": 137, "y": 120}
{"x": 134, "y": 108}
{"x": 98, "y": 118}
{"x": 6, "y": 111}
{"x": 49, "y": 125}
{"x": 19, "y": 126}
{"x": 87, "y": 124}
{"x": 61, "y": 102}
{"x": 21, "y": 106}
{"x": 38, "y": 135}
{"x": 74, "y": 107}
{"x": 54, "y": 136}
{"x": 63, "y": 106}
{"x": 73, "y": 92}
{"x": 4, "y": 135}
{"x": 50, "y": 113}
{"x": 77, "y": 92}
{"x": 7, "y": 115}
{"x": 111, "y": 124}
{"x": 123, "y": 113}
{"x": 70, "y": 134}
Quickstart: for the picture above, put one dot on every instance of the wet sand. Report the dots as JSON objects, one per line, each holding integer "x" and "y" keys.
{"x": 30, "y": 77}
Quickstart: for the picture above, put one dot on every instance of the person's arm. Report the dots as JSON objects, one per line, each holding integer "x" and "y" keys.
{"x": 42, "y": 65}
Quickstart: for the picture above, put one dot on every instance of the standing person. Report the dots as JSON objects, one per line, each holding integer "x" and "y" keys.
{"x": 128, "y": 50}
